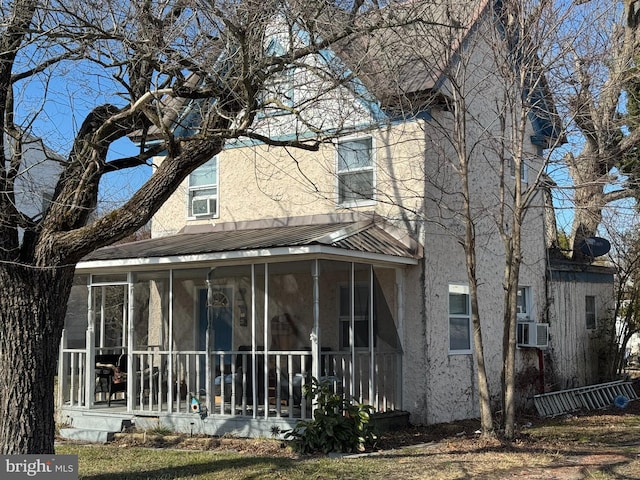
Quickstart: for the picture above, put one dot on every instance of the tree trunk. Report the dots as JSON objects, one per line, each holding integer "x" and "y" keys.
{"x": 509, "y": 348}
{"x": 32, "y": 311}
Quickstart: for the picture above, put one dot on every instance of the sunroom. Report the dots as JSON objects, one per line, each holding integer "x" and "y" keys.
{"x": 221, "y": 330}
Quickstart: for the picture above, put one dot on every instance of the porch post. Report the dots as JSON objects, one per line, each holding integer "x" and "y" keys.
{"x": 131, "y": 368}
{"x": 315, "y": 332}
{"x": 208, "y": 342}
{"x": 102, "y": 317}
{"x": 265, "y": 368}
{"x": 372, "y": 353}
{"x": 62, "y": 370}
{"x": 397, "y": 400}
{"x": 254, "y": 343}
{"x": 170, "y": 379}
{"x": 352, "y": 335}
{"x": 90, "y": 348}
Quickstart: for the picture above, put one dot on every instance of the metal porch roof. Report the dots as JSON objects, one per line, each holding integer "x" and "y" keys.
{"x": 351, "y": 236}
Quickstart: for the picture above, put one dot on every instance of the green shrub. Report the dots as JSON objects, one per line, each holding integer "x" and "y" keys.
{"x": 337, "y": 425}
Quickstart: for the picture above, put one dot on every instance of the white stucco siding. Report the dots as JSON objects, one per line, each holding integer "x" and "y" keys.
{"x": 257, "y": 182}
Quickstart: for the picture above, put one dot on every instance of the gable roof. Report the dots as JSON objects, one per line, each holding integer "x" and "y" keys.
{"x": 348, "y": 239}
{"x": 408, "y": 57}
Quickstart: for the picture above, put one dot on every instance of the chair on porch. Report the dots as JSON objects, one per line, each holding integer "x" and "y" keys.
{"x": 111, "y": 374}
{"x": 237, "y": 377}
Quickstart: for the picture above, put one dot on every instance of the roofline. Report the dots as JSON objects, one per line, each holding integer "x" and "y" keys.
{"x": 266, "y": 255}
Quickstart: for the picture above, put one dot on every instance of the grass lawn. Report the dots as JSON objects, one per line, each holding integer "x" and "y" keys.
{"x": 601, "y": 445}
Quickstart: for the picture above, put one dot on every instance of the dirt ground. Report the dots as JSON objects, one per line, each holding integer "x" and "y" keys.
{"x": 605, "y": 442}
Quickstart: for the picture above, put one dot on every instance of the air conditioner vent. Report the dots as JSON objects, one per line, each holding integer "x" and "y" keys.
{"x": 203, "y": 206}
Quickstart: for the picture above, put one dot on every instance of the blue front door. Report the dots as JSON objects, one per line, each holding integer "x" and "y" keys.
{"x": 222, "y": 310}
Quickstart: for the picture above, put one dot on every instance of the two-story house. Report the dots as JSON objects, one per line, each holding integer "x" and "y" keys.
{"x": 271, "y": 265}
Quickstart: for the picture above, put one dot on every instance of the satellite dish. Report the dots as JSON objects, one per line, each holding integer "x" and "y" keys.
{"x": 595, "y": 246}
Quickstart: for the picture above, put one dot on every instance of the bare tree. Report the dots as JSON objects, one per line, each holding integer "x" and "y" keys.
{"x": 615, "y": 330}
{"x": 189, "y": 75}
{"x": 601, "y": 73}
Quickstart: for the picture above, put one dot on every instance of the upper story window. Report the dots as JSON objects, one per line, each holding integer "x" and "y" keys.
{"x": 590, "y": 312}
{"x": 459, "y": 319}
{"x": 523, "y": 170}
{"x": 355, "y": 171}
{"x": 203, "y": 190}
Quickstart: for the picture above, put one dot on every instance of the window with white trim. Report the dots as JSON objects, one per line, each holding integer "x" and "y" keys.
{"x": 459, "y": 319}
{"x": 360, "y": 316}
{"x": 203, "y": 190}
{"x": 355, "y": 171}
{"x": 590, "y": 312}
{"x": 523, "y": 304}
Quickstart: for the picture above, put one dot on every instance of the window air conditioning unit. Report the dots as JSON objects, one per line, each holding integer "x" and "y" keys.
{"x": 203, "y": 206}
{"x": 531, "y": 334}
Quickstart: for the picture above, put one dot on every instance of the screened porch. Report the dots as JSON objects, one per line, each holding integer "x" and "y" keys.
{"x": 233, "y": 339}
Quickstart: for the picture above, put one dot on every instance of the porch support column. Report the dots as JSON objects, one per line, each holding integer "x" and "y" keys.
{"x": 352, "y": 336}
{"x": 315, "y": 332}
{"x": 208, "y": 377}
{"x": 372, "y": 353}
{"x": 170, "y": 380}
{"x": 130, "y": 334}
{"x": 62, "y": 372}
{"x": 254, "y": 344}
{"x": 265, "y": 369}
{"x": 399, "y": 370}
{"x": 90, "y": 348}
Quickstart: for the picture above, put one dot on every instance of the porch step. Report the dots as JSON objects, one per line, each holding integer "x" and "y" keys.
{"x": 95, "y": 428}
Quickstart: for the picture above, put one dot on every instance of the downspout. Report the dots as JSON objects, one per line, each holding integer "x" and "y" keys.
{"x": 541, "y": 370}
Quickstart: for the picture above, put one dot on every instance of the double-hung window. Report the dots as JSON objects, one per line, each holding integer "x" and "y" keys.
{"x": 360, "y": 316}
{"x": 459, "y": 319}
{"x": 355, "y": 171}
{"x": 203, "y": 190}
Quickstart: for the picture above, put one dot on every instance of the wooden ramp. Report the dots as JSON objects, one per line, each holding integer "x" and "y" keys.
{"x": 591, "y": 397}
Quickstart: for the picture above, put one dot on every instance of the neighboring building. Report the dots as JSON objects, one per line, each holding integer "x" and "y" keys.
{"x": 345, "y": 266}
{"x": 33, "y": 188}
{"x": 581, "y": 297}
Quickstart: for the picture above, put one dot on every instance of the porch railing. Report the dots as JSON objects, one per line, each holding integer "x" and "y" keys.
{"x": 238, "y": 382}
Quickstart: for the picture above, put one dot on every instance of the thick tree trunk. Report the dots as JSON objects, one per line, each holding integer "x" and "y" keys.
{"x": 32, "y": 311}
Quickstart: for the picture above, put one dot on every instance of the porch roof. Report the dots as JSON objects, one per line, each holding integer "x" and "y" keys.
{"x": 357, "y": 240}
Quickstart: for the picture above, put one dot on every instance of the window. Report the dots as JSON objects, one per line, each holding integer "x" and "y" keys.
{"x": 590, "y": 311}
{"x": 523, "y": 302}
{"x": 459, "y": 319}
{"x": 203, "y": 190}
{"x": 355, "y": 171}
{"x": 360, "y": 316}
{"x": 523, "y": 169}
